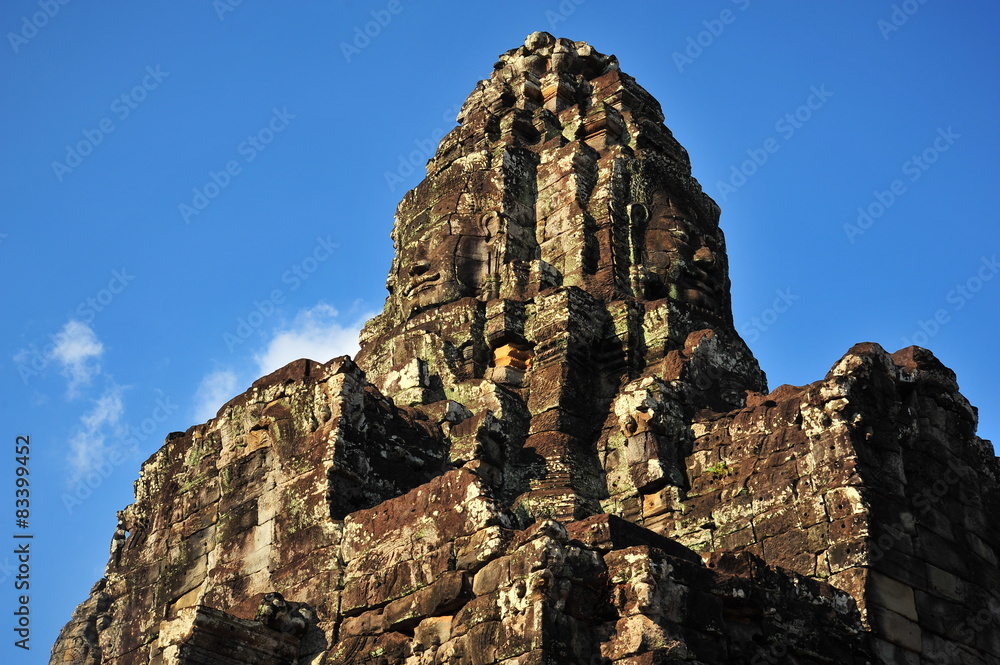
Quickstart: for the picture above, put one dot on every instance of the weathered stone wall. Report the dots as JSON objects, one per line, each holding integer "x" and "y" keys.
{"x": 873, "y": 480}
{"x": 246, "y": 504}
{"x": 200, "y": 635}
{"x": 466, "y": 588}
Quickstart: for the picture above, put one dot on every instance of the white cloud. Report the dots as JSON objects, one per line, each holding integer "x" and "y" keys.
{"x": 314, "y": 334}
{"x": 76, "y": 351}
{"x": 215, "y": 389}
{"x": 88, "y": 447}
{"x": 108, "y": 409}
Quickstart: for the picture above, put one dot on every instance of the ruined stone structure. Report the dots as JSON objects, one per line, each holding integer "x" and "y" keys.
{"x": 554, "y": 447}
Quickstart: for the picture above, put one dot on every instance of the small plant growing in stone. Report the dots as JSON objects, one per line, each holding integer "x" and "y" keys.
{"x": 720, "y": 470}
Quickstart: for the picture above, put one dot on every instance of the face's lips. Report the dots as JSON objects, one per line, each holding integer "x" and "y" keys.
{"x": 701, "y": 288}
{"x": 422, "y": 282}
{"x": 699, "y": 298}
{"x": 703, "y": 277}
{"x": 424, "y": 292}
{"x": 419, "y": 274}
{"x": 704, "y": 286}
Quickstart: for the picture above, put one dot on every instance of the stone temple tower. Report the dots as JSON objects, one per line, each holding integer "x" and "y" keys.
{"x": 554, "y": 447}
{"x": 558, "y": 250}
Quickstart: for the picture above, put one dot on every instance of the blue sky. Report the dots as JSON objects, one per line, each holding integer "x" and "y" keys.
{"x": 196, "y": 192}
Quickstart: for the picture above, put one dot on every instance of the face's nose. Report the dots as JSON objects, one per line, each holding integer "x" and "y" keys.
{"x": 419, "y": 267}
{"x": 704, "y": 258}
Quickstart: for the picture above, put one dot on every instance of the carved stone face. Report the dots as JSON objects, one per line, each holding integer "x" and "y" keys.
{"x": 439, "y": 262}
{"x": 684, "y": 260}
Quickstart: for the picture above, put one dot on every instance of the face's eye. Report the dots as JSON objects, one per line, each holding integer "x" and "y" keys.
{"x": 680, "y": 234}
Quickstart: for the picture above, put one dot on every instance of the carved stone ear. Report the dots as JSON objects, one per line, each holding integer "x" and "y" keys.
{"x": 491, "y": 222}
{"x": 638, "y": 214}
